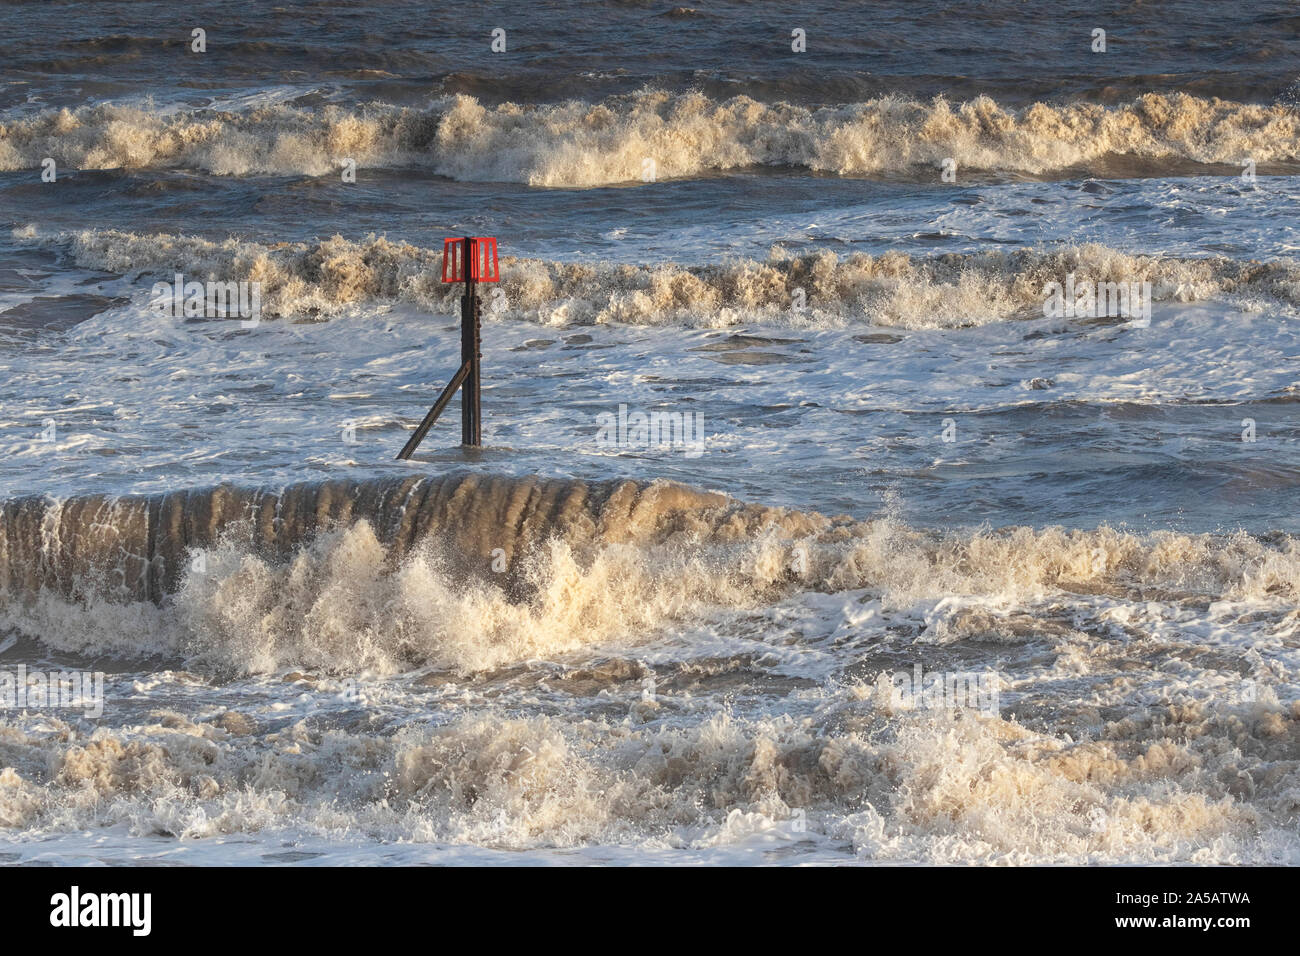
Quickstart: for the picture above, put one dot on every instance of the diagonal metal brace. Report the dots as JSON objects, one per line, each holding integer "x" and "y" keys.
{"x": 456, "y": 382}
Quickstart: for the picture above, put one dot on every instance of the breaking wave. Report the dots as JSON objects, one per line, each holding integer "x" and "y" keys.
{"x": 581, "y": 144}
{"x": 897, "y": 289}
{"x": 470, "y": 572}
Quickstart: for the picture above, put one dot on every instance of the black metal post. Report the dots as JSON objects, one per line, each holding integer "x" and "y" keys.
{"x": 471, "y": 432}
{"x": 468, "y": 377}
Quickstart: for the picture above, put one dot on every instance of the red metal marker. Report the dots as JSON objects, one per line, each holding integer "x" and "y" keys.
{"x": 481, "y": 254}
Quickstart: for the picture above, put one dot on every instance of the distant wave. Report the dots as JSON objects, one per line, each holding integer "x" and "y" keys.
{"x": 581, "y": 144}
{"x": 896, "y": 289}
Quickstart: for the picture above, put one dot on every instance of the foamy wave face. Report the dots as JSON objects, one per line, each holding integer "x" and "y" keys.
{"x": 459, "y": 572}
{"x": 469, "y": 574}
{"x": 579, "y": 144}
{"x": 342, "y": 606}
{"x": 821, "y": 289}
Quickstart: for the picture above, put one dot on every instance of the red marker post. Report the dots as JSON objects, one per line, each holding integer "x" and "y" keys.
{"x": 468, "y": 260}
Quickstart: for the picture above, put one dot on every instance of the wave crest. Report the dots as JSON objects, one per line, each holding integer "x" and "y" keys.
{"x": 580, "y": 144}
{"x": 895, "y": 289}
{"x": 470, "y": 573}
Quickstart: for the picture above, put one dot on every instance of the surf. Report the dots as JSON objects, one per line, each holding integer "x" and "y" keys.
{"x": 580, "y": 144}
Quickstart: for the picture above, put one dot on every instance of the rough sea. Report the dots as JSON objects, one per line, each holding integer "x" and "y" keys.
{"x": 804, "y": 529}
